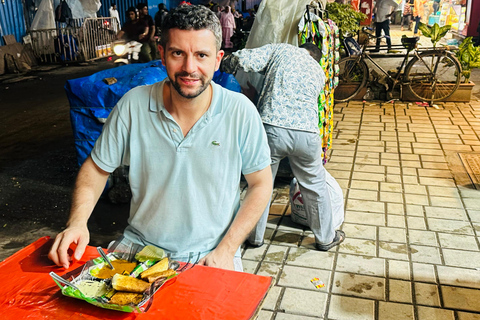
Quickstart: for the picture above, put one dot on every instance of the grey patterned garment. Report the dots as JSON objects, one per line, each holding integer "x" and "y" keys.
{"x": 293, "y": 82}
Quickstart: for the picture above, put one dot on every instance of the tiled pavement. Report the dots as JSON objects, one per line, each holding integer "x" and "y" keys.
{"x": 412, "y": 222}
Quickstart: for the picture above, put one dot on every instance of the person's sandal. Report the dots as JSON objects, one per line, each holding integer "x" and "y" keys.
{"x": 339, "y": 237}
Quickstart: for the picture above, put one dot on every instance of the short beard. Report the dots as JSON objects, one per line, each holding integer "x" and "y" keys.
{"x": 177, "y": 87}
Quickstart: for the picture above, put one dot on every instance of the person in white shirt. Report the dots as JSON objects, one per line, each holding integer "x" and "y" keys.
{"x": 383, "y": 10}
{"x": 114, "y": 14}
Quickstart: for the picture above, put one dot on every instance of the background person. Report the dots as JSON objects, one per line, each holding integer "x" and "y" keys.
{"x": 418, "y": 12}
{"x": 407, "y": 15}
{"x": 159, "y": 17}
{"x": 135, "y": 29}
{"x": 150, "y": 53}
{"x": 383, "y": 11}
{"x": 288, "y": 106}
{"x": 115, "y": 17}
{"x": 186, "y": 140}
{"x": 227, "y": 20}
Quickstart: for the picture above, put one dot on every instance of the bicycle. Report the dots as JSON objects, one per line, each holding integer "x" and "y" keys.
{"x": 431, "y": 75}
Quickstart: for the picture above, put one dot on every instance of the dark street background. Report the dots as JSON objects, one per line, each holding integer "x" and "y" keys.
{"x": 38, "y": 161}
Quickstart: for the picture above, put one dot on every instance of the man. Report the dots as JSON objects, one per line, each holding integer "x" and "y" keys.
{"x": 135, "y": 29}
{"x": 288, "y": 106}
{"x": 159, "y": 16}
{"x": 383, "y": 10}
{"x": 187, "y": 141}
{"x": 115, "y": 17}
{"x": 144, "y": 16}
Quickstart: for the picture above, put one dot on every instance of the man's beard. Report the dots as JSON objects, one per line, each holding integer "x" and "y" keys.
{"x": 204, "y": 84}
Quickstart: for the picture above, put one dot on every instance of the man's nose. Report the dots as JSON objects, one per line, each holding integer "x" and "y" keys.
{"x": 189, "y": 64}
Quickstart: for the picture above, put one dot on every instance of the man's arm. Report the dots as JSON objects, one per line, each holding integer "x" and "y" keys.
{"x": 256, "y": 199}
{"x": 250, "y": 60}
{"x": 89, "y": 185}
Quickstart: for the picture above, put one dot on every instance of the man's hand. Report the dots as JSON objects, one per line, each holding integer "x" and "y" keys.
{"x": 59, "y": 251}
{"x": 218, "y": 260}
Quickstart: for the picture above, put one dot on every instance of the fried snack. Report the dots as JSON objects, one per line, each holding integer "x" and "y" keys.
{"x": 160, "y": 266}
{"x": 129, "y": 284}
{"x": 124, "y": 298}
{"x": 120, "y": 266}
{"x": 163, "y": 274}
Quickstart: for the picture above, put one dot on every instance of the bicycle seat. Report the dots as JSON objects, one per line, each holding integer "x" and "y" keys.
{"x": 409, "y": 42}
{"x": 352, "y": 47}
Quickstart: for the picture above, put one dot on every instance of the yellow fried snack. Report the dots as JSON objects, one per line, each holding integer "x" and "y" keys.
{"x": 121, "y": 266}
{"x": 124, "y": 298}
{"x": 160, "y": 266}
{"x": 129, "y": 284}
{"x": 163, "y": 274}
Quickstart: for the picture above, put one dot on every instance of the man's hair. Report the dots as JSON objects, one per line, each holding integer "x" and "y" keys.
{"x": 141, "y": 5}
{"x": 194, "y": 17}
{"x": 313, "y": 50}
{"x": 113, "y": 4}
{"x": 131, "y": 9}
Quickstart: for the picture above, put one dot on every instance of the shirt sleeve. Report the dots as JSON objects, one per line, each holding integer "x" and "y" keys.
{"x": 109, "y": 150}
{"x": 255, "y": 60}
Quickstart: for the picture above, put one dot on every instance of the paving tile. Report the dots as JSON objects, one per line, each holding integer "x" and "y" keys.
{"x": 287, "y": 237}
{"x": 368, "y": 168}
{"x": 361, "y": 265}
{"x": 459, "y": 277}
{"x": 424, "y": 272}
{"x": 336, "y": 165}
{"x": 410, "y": 171}
{"x": 269, "y": 269}
{"x": 400, "y": 291}
{"x": 365, "y": 218}
{"x": 358, "y": 246}
{"x": 360, "y": 231}
{"x": 461, "y": 298}
{"x": 457, "y": 258}
{"x": 427, "y": 294}
{"x": 425, "y": 238}
{"x": 411, "y": 164}
{"x": 416, "y": 223}
{"x": 428, "y": 181}
{"x": 362, "y": 195}
{"x": 393, "y": 171}
{"x": 255, "y": 254}
{"x": 391, "y": 187}
{"x": 310, "y": 258}
{"x": 392, "y": 250}
{"x": 472, "y": 203}
{"x": 358, "y": 285}
{"x": 435, "y": 165}
{"x": 445, "y": 213}
{"x": 364, "y": 185}
{"x": 342, "y": 307}
{"x": 303, "y": 302}
{"x": 428, "y": 158}
{"x": 415, "y": 210}
{"x": 450, "y": 226}
{"x": 271, "y": 300}
{"x": 468, "y": 316}
{"x": 366, "y": 206}
{"x": 474, "y": 215}
{"x": 398, "y": 270}
{"x": 391, "y": 234}
{"x": 410, "y": 157}
{"x": 265, "y": 315}
{"x": 395, "y": 208}
{"x": 391, "y": 197}
{"x": 289, "y": 316}
{"x": 395, "y": 311}
{"x": 389, "y": 163}
{"x": 421, "y": 151}
{"x": 249, "y": 266}
{"x": 446, "y": 202}
{"x": 395, "y": 221}
{"x": 417, "y": 199}
{"x": 277, "y": 209}
{"x": 415, "y": 189}
{"x": 394, "y": 178}
{"x": 368, "y": 176}
{"x": 425, "y": 254}
{"x": 299, "y": 277}
{"x": 469, "y": 193}
{"x": 426, "y": 313}
{"x": 410, "y": 180}
{"x": 457, "y": 241}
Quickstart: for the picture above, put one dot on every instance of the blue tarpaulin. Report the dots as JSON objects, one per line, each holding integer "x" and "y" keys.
{"x": 92, "y": 100}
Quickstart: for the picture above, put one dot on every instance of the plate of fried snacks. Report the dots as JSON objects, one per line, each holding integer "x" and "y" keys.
{"x": 120, "y": 280}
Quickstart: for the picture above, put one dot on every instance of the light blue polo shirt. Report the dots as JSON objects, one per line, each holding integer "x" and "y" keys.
{"x": 186, "y": 191}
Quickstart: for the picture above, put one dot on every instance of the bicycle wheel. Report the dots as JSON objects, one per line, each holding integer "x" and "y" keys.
{"x": 433, "y": 76}
{"x": 352, "y": 77}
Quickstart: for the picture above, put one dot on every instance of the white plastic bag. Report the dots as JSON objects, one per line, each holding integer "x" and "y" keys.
{"x": 299, "y": 215}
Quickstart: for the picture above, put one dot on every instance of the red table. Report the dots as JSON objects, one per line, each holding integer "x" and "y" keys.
{"x": 28, "y": 292}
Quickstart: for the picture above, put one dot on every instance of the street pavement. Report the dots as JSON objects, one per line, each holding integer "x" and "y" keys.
{"x": 412, "y": 220}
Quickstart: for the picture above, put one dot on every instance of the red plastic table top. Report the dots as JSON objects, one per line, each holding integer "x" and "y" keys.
{"x": 28, "y": 292}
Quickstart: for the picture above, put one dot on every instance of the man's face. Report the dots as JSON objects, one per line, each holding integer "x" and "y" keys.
{"x": 144, "y": 11}
{"x": 114, "y": 7}
{"x": 191, "y": 58}
{"x": 132, "y": 15}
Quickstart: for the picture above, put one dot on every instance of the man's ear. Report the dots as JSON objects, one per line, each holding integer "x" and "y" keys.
{"x": 219, "y": 57}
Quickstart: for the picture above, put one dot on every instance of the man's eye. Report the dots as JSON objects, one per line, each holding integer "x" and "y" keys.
{"x": 202, "y": 55}
{"x": 177, "y": 53}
